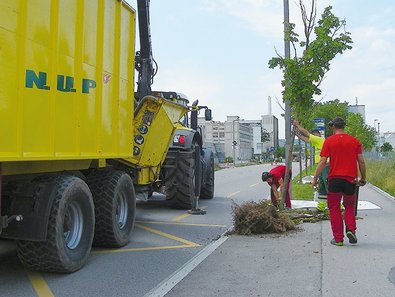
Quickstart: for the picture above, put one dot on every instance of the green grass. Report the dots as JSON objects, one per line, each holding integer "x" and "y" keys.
{"x": 301, "y": 191}
{"x": 381, "y": 173}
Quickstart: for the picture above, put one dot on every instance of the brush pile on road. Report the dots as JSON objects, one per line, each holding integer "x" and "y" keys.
{"x": 260, "y": 217}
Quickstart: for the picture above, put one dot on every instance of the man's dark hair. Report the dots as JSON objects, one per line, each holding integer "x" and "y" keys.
{"x": 338, "y": 123}
{"x": 265, "y": 176}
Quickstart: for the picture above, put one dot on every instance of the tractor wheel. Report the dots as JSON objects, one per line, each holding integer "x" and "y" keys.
{"x": 207, "y": 191}
{"x": 70, "y": 230}
{"x": 180, "y": 179}
{"x": 115, "y": 207}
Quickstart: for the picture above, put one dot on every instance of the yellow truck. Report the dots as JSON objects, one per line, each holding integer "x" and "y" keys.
{"x": 77, "y": 144}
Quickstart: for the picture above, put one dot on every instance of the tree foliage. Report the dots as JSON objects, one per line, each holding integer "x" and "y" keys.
{"x": 279, "y": 152}
{"x": 386, "y": 147}
{"x": 303, "y": 75}
{"x": 364, "y": 133}
{"x": 329, "y": 110}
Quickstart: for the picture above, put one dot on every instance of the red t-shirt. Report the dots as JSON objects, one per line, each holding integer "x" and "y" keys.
{"x": 342, "y": 150}
{"x": 278, "y": 172}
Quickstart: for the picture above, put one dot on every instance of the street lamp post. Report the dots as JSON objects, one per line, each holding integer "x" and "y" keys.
{"x": 376, "y": 136}
{"x": 234, "y": 141}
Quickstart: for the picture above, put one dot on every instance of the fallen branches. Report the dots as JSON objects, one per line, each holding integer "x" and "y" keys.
{"x": 261, "y": 217}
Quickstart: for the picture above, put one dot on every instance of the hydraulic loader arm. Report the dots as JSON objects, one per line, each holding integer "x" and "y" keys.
{"x": 144, "y": 60}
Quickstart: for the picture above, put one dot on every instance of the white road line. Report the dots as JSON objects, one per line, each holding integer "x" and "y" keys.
{"x": 164, "y": 287}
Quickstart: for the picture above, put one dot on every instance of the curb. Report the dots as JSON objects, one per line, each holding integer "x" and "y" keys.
{"x": 384, "y": 193}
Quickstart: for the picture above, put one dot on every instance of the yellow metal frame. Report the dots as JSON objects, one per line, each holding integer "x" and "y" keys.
{"x": 154, "y": 124}
{"x": 66, "y": 85}
{"x": 66, "y": 90}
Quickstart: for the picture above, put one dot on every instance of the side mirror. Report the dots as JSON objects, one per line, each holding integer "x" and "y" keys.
{"x": 207, "y": 115}
{"x": 195, "y": 103}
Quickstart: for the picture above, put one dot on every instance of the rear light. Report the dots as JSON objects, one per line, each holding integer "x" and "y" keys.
{"x": 179, "y": 139}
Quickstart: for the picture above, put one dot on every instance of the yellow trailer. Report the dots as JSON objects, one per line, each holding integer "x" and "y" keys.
{"x": 73, "y": 145}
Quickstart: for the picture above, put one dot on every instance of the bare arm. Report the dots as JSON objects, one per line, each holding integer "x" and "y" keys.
{"x": 319, "y": 169}
{"x": 303, "y": 132}
{"x": 274, "y": 188}
{"x": 301, "y": 136}
{"x": 362, "y": 169}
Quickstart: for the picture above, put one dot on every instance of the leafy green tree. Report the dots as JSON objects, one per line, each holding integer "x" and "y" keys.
{"x": 386, "y": 147}
{"x": 329, "y": 110}
{"x": 279, "y": 152}
{"x": 228, "y": 160}
{"x": 364, "y": 133}
{"x": 304, "y": 74}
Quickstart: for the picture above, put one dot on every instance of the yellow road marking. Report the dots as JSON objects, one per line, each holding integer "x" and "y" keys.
{"x": 183, "y": 216}
{"x": 180, "y": 217}
{"x": 233, "y": 194}
{"x": 39, "y": 285}
{"x": 172, "y": 237}
{"x": 181, "y": 224}
{"x": 42, "y": 289}
{"x": 186, "y": 243}
{"x": 253, "y": 185}
{"x": 152, "y": 248}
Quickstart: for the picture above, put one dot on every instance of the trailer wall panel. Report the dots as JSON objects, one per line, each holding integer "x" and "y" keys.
{"x": 66, "y": 85}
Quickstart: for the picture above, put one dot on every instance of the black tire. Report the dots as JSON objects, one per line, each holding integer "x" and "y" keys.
{"x": 180, "y": 179}
{"x": 70, "y": 230}
{"x": 207, "y": 191}
{"x": 115, "y": 207}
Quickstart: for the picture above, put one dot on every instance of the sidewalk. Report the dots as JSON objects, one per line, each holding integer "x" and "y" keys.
{"x": 303, "y": 263}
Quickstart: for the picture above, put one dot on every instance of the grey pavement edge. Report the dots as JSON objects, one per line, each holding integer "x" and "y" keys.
{"x": 303, "y": 263}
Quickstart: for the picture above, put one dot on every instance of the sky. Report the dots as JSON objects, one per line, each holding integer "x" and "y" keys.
{"x": 217, "y": 51}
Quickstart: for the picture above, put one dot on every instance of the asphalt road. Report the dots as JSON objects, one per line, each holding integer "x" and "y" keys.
{"x": 163, "y": 241}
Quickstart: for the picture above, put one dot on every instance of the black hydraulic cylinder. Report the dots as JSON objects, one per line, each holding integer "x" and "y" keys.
{"x": 144, "y": 59}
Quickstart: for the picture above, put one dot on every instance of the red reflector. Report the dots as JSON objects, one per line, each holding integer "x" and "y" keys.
{"x": 181, "y": 140}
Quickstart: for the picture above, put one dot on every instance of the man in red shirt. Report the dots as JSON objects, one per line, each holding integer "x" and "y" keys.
{"x": 275, "y": 179}
{"x": 345, "y": 157}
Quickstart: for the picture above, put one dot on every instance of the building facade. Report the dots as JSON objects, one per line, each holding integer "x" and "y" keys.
{"x": 357, "y": 109}
{"x": 213, "y": 134}
{"x": 240, "y": 139}
{"x": 270, "y": 124}
{"x": 257, "y": 145}
{"x": 231, "y": 138}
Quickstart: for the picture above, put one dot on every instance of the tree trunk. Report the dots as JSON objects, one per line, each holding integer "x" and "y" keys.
{"x": 288, "y": 164}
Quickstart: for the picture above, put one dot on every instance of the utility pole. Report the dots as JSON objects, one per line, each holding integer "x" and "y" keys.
{"x": 287, "y": 55}
{"x": 234, "y": 142}
{"x": 287, "y": 116}
{"x": 378, "y": 135}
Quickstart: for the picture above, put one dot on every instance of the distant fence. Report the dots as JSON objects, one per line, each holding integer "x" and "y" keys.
{"x": 377, "y": 155}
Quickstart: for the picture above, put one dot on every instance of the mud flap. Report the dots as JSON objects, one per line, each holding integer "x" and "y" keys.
{"x": 33, "y": 206}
